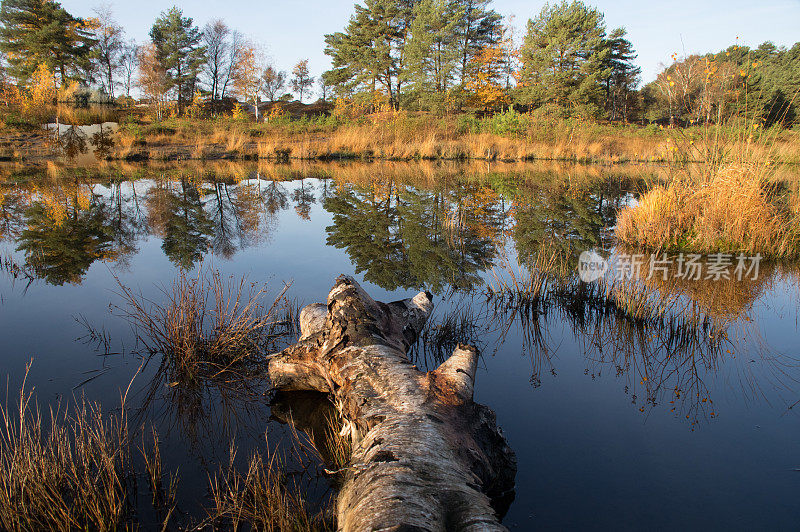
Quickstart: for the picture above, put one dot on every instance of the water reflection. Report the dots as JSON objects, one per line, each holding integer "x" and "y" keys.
{"x": 400, "y": 235}
{"x": 176, "y": 214}
{"x": 65, "y": 229}
{"x": 664, "y": 340}
{"x": 73, "y": 141}
{"x": 441, "y": 236}
{"x": 694, "y": 354}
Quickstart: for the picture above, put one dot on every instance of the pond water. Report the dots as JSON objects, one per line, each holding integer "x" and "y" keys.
{"x": 84, "y": 144}
{"x": 615, "y": 424}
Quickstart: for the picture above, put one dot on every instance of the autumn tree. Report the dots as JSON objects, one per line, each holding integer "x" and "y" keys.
{"x": 301, "y": 80}
{"x": 35, "y": 32}
{"x": 179, "y": 50}
{"x": 154, "y": 80}
{"x": 109, "y": 46}
{"x": 42, "y": 88}
{"x": 486, "y": 78}
{"x": 273, "y": 82}
{"x": 247, "y": 79}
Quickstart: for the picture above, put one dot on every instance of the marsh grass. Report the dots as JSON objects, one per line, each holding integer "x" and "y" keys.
{"x": 509, "y": 136}
{"x": 736, "y": 208}
{"x": 206, "y": 326}
{"x": 261, "y": 497}
{"x": 76, "y": 471}
{"x": 735, "y": 200}
{"x": 65, "y": 470}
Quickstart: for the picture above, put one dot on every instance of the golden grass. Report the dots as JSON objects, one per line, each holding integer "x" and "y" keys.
{"x": 736, "y": 208}
{"x": 207, "y": 325}
{"x": 71, "y": 472}
{"x": 405, "y": 136}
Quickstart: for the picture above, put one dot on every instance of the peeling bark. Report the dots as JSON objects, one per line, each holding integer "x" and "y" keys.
{"x": 425, "y": 455}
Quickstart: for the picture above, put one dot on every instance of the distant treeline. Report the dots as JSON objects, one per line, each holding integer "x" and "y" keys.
{"x": 441, "y": 56}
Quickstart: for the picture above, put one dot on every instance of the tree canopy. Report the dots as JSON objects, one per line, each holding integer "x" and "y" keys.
{"x": 34, "y": 32}
{"x": 178, "y": 47}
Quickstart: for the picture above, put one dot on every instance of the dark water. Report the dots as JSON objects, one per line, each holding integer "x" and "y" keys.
{"x": 614, "y": 425}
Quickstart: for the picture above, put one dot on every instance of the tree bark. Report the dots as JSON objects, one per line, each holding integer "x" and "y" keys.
{"x": 425, "y": 455}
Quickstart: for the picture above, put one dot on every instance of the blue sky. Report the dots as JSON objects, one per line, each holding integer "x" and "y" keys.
{"x": 293, "y": 30}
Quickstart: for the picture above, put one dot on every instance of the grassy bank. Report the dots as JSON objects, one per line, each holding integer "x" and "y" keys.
{"x": 508, "y": 136}
{"x": 402, "y": 136}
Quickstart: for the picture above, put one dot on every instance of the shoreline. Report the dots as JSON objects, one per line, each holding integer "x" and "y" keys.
{"x": 226, "y": 140}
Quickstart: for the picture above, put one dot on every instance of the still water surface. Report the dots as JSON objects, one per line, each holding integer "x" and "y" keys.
{"x": 614, "y": 425}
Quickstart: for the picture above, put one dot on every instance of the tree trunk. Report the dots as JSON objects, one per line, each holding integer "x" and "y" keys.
{"x": 425, "y": 456}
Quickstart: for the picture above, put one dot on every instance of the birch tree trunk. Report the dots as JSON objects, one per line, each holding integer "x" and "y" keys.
{"x": 425, "y": 455}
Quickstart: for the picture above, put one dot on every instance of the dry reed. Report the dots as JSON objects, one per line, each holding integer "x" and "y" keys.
{"x": 206, "y": 325}
{"x": 71, "y": 472}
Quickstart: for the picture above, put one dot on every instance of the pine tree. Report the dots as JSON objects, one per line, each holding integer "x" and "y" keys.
{"x": 432, "y": 55}
{"x": 178, "y": 48}
{"x": 370, "y": 52}
{"x": 477, "y": 28}
{"x": 565, "y": 58}
{"x": 623, "y": 76}
{"x": 35, "y": 32}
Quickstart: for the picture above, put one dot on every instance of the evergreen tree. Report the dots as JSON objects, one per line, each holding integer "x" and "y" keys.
{"x": 432, "y": 54}
{"x": 478, "y": 27}
{"x": 35, "y": 32}
{"x": 177, "y": 43}
{"x": 370, "y": 52}
{"x": 565, "y": 58}
{"x": 623, "y": 76}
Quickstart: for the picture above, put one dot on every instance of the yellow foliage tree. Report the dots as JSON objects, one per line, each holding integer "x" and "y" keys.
{"x": 485, "y": 78}
{"x": 42, "y": 87}
{"x": 248, "y": 81}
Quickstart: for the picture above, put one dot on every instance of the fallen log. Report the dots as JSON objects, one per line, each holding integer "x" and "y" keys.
{"x": 425, "y": 455}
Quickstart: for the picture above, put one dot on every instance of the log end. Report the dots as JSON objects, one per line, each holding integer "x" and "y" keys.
{"x": 454, "y": 379}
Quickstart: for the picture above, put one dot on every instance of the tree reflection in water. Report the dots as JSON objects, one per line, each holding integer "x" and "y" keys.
{"x": 66, "y": 230}
{"x": 403, "y": 237}
{"x": 668, "y": 356}
{"x": 176, "y": 214}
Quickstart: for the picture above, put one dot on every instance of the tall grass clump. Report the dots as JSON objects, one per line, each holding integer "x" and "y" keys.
{"x": 64, "y": 471}
{"x": 734, "y": 200}
{"x": 260, "y": 498}
{"x": 206, "y": 325}
{"x": 735, "y": 208}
